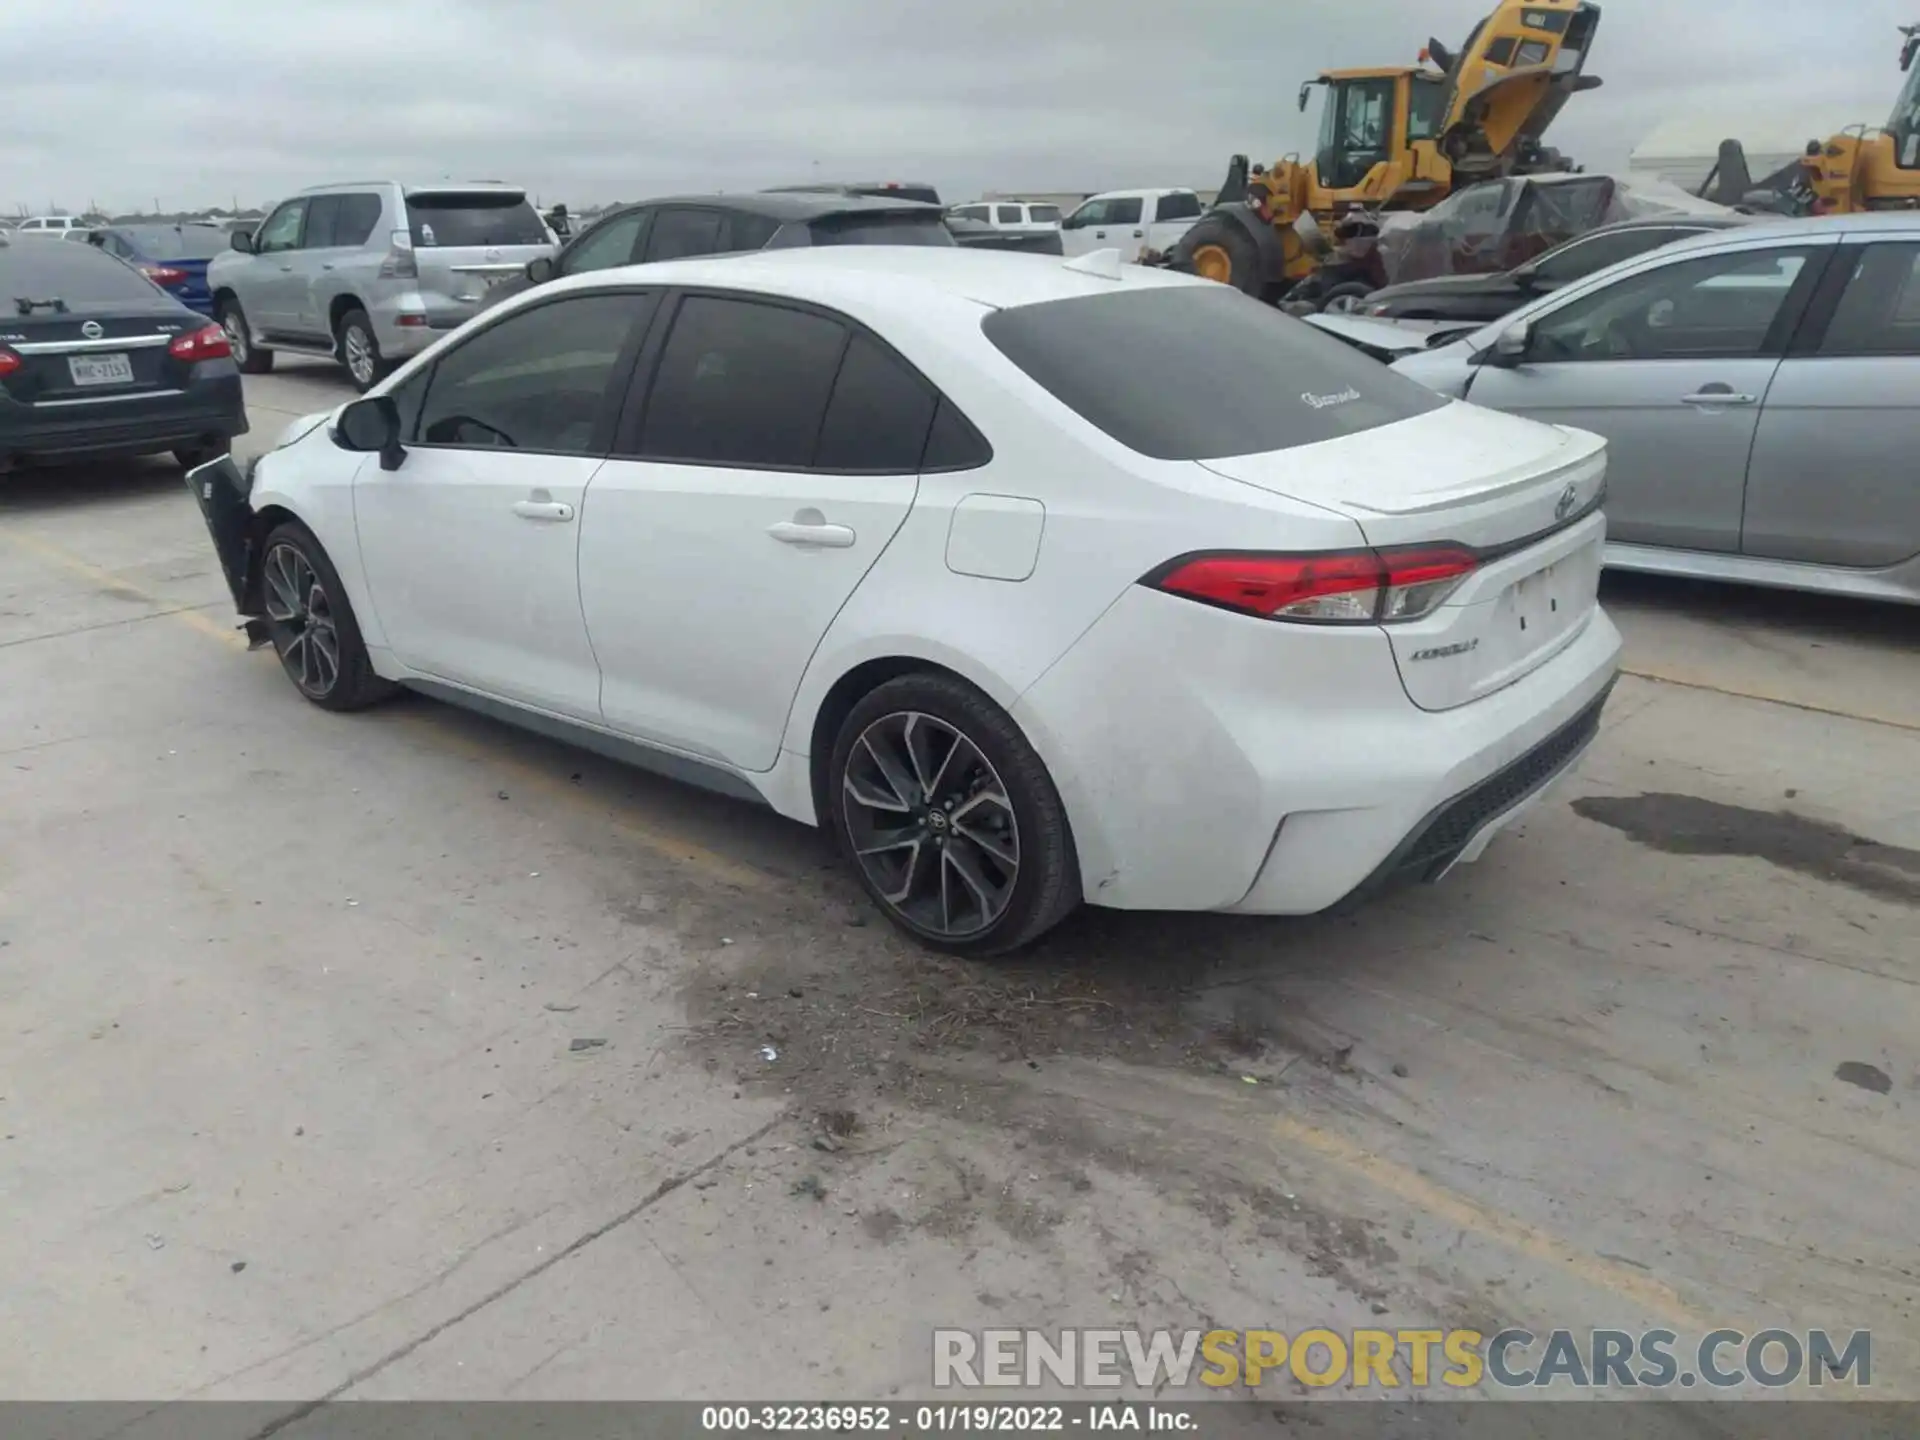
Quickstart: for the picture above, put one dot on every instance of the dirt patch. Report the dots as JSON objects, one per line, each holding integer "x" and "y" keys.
{"x": 1688, "y": 825}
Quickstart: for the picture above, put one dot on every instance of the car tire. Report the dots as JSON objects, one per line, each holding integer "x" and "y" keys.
{"x": 188, "y": 457}
{"x": 359, "y": 351}
{"x": 1345, "y": 299}
{"x": 311, "y": 623}
{"x": 912, "y": 758}
{"x": 248, "y": 358}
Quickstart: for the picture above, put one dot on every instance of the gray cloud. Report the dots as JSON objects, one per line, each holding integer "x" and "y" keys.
{"x": 199, "y": 101}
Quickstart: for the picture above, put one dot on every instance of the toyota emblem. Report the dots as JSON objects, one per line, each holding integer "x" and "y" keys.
{"x": 92, "y": 330}
{"x": 1569, "y": 498}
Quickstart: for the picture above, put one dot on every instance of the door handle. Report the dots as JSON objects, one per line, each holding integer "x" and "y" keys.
{"x": 827, "y": 537}
{"x": 326, "y": 265}
{"x": 286, "y": 267}
{"x": 1719, "y": 397}
{"x": 1099, "y": 234}
{"x": 543, "y": 510}
{"x": 1138, "y": 233}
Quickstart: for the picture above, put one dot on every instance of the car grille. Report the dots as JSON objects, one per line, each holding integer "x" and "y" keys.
{"x": 1438, "y": 841}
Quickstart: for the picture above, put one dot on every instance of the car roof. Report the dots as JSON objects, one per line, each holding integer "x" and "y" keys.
{"x": 1142, "y": 194}
{"x": 794, "y": 204}
{"x": 1788, "y": 228}
{"x": 897, "y": 276}
{"x": 1683, "y": 218}
{"x": 431, "y": 187}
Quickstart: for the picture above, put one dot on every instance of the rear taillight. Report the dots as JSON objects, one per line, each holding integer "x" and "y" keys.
{"x": 400, "y": 264}
{"x": 9, "y": 362}
{"x": 209, "y": 342}
{"x": 1338, "y": 587}
{"x": 163, "y": 274}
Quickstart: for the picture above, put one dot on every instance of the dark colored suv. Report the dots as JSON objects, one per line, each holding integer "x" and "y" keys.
{"x": 686, "y": 225}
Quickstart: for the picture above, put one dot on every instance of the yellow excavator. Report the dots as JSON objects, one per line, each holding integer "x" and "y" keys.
{"x": 1867, "y": 169}
{"x": 1396, "y": 138}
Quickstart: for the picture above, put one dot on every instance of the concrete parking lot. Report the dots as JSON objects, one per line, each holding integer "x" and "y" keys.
{"x": 401, "y": 1055}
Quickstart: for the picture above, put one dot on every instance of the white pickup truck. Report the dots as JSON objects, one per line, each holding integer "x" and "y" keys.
{"x": 1134, "y": 222}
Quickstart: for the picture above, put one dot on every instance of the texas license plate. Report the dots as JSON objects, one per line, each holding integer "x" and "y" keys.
{"x": 100, "y": 369}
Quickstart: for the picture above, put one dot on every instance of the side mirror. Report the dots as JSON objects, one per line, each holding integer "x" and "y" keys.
{"x": 372, "y": 426}
{"x": 540, "y": 269}
{"x": 243, "y": 241}
{"x": 1526, "y": 276}
{"x": 1510, "y": 346}
{"x": 1306, "y": 92}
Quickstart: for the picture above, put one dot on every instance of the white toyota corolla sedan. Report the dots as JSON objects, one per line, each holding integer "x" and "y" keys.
{"x": 1036, "y": 581}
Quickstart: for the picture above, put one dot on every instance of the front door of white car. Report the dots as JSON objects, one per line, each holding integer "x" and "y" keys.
{"x": 775, "y": 455}
{"x": 1672, "y": 365}
{"x": 471, "y": 545}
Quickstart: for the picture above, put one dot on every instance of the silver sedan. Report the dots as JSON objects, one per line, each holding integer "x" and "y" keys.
{"x": 1760, "y": 390}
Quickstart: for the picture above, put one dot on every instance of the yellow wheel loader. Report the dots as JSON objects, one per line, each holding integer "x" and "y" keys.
{"x": 1868, "y": 169}
{"x": 1396, "y": 138}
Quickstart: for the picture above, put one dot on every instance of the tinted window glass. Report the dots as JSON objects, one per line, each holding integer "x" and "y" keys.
{"x": 1427, "y": 108}
{"x": 1721, "y": 305}
{"x": 972, "y": 212}
{"x": 881, "y": 229}
{"x": 742, "y": 383}
{"x": 1046, "y": 214}
{"x": 354, "y": 222}
{"x": 282, "y": 228}
{"x": 172, "y": 242}
{"x": 1008, "y": 214}
{"x": 479, "y": 218}
{"x": 1879, "y": 313}
{"x": 683, "y": 232}
{"x": 1584, "y": 257}
{"x": 878, "y": 416}
{"x": 953, "y": 443}
{"x": 606, "y": 245}
{"x": 1094, "y": 212}
{"x": 1123, "y": 212}
{"x": 77, "y": 274}
{"x": 747, "y": 232}
{"x": 1231, "y": 376}
{"x": 1177, "y": 207}
{"x": 538, "y": 380}
{"x": 321, "y": 211}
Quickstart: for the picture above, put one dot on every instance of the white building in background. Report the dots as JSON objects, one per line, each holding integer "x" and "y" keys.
{"x": 1685, "y": 149}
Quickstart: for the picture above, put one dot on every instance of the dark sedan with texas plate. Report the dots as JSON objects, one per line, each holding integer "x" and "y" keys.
{"x": 96, "y": 360}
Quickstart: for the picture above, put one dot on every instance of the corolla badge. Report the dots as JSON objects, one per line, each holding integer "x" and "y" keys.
{"x": 92, "y": 330}
{"x": 1322, "y": 402}
{"x": 1447, "y": 652}
{"x": 1569, "y": 498}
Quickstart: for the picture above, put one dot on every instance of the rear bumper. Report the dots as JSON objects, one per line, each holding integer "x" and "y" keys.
{"x": 1212, "y": 762}
{"x": 211, "y": 408}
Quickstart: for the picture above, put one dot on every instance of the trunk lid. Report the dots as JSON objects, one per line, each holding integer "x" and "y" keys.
{"x": 95, "y": 351}
{"x": 466, "y": 240}
{"x": 1523, "y": 496}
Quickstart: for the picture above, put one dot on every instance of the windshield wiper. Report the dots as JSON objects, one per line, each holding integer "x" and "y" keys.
{"x": 26, "y": 305}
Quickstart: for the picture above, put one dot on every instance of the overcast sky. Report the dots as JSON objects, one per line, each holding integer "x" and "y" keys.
{"x": 197, "y": 102}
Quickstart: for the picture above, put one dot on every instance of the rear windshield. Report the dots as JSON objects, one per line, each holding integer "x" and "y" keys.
{"x": 482, "y": 218}
{"x": 178, "y": 242}
{"x": 1199, "y": 372}
{"x": 882, "y": 229}
{"x": 30, "y": 270}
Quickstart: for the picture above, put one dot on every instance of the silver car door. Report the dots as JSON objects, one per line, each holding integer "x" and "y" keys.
{"x": 1832, "y": 480}
{"x": 1671, "y": 364}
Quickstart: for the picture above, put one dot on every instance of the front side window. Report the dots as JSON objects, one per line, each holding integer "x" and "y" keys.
{"x": 1718, "y": 305}
{"x": 538, "y": 380}
{"x": 1094, "y": 212}
{"x": 972, "y": 212}
{"x": 1879, "y": 313}
{"x": 606, "y": 245}
{"x": 1360, "y": 113}
{"x": 741, "y": 382}
{"x": 281, "y": 231}
{"x": 1231, "y": 376}
{"x": 680, "y": 233}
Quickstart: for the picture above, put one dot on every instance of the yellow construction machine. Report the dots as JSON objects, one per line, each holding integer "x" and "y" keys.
{"x": 1868, "y": 169}
{"x": 1396, "y": 138}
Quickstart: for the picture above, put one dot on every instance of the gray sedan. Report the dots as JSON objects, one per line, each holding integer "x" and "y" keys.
{"x": 1759, "y": 389}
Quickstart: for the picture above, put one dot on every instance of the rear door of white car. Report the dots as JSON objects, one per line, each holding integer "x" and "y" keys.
{"x": 768, "y": 455}
{"x": 471, "y": 546}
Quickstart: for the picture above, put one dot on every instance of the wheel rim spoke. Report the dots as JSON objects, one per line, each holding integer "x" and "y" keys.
{"x": 931, "y": 824}
{"x": 301, "y": 618}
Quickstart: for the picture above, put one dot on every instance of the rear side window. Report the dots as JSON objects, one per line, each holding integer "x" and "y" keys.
{"x": 747, "y": 232}
{"x": 878, "y": 416}
{"x": 679, "y": 233}
{"x": 1123, "y": 212}
{"x": 880, "y": 228}
{"x": 459, "y": 218}
{"x": 354, "y": 221}
{"x": 1586, "y": 257}
{"x": 1228, "y": 375}
{"x": 1879, "y": 314}
{"x": 1177, "y": 207}
{"x": 742, "y": 383}
{"x": 77, "y": 274}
